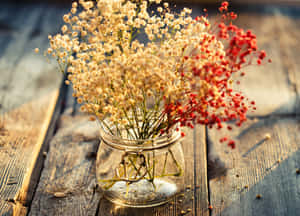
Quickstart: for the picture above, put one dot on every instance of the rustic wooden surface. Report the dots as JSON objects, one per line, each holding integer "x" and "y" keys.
{"x": 67, "y": 184}
{"x": 28, "y": 97}
{"x": 289, "y": 45}
{"x": 259, "y": 165}
{"x": 31, "y": 98}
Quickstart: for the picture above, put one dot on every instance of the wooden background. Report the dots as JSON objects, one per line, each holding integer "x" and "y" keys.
{"x": 47, "y": 148}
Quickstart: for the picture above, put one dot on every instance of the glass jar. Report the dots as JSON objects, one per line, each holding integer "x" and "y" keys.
{"x": 140, "y": 173}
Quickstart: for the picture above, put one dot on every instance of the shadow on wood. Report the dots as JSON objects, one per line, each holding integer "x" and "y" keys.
{"x": 261, "y": 146}
{"x": 277, "y": 194}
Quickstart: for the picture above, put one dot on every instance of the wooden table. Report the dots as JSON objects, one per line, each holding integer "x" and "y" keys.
{"x": 47, "y": 148}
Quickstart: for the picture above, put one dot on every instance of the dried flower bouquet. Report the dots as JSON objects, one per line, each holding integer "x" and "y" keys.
{"x": 181, "y": 75}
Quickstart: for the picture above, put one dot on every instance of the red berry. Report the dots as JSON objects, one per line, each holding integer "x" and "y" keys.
{"x": 231, "y": 144}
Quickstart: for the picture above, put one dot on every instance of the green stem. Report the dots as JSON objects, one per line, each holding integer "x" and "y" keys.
{"x": 165, "y": 163}
{"x": 107, "y": 127}
{"x": 150, "y": 119}
{"x": 145, "y": 120}
{"x": 153, "y": 162}
{"x": 148, "y": 171}
{"x": 136, "y": 169}
{"x": 118, "y": 130}
{"x": 130, "y": 124}
{"x": 136, "y": 121}
{"x": 180, "y": 172}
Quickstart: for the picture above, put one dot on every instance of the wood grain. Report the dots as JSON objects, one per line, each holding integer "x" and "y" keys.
{"x": 68, "y": 185}
{"x": 21, "y": 146}
{"x": 200, "y": 170}
{"x": 288, "y": 30}
{"x": 29, "y": 98}
{"x": 259, "y": 165}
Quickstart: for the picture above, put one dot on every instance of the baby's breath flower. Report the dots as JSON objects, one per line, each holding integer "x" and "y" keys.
{"x": 66, "y": 18}
{"x": 73, "y": 10}
{"x": 49, "y": 51}
{"x": 181, "y": 76}
{"x": 64, "y": 28}
{"x": 74, "y": 5}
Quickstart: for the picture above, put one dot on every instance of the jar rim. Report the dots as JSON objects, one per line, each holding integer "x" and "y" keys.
{"x": 139, "y": 144}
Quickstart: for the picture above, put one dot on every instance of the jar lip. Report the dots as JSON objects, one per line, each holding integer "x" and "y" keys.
{"x": 139, "y": 144}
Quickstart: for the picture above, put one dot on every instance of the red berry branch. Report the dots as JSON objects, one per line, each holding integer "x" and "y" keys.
{"x": 219, "y": 102}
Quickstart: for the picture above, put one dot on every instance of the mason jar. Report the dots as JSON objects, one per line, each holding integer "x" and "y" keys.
{"x": 140, "y": 172}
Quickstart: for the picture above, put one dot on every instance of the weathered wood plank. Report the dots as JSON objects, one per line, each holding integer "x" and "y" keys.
{"x": 264, "y": 163}
{"x": 269, "y": 84}
{"x": 289, "y": 33}
{"x": 24, "y": 74}
{"x": 21, "y": 146}
{"x": 29, "y": 95}
{"x": 200, "y": 169}
{"x": 68, "y": 184}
